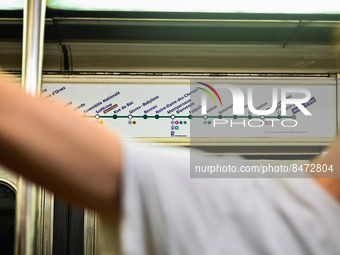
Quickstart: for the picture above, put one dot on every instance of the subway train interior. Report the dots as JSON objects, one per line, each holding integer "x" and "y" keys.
{"x": 133, "y": 70}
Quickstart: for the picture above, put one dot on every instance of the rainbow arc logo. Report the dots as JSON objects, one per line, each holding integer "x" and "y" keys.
{"x": 209, "y": 93}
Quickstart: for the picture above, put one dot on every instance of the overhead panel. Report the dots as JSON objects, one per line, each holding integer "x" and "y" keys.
{"x": 11, "y": 55}
{"x": 143, "y": 57}
{"x": 12, "y": 5}
{"x": 241, "y": 6}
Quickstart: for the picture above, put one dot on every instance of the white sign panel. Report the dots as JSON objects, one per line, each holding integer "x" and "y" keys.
{"x": 171, "y": 111}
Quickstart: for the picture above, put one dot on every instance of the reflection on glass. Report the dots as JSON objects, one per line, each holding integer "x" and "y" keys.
{"x": 7, "y": 219}
{"x": 240, "y": 6}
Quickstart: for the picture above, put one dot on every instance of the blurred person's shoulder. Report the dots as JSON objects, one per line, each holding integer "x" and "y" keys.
{"x": 162, "y": 203}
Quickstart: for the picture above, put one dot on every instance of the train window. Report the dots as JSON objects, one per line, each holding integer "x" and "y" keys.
{"x": 12, "y": 5}
{"x": 217, "y": 6}
{"x": 7, "y": 218}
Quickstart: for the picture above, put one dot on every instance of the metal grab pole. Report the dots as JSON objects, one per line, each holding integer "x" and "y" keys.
{"x": 29, "y": 195}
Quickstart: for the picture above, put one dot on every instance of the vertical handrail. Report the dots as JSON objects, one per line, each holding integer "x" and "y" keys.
{"x": 90, "y": 229}
{"x": 28, "y": 195}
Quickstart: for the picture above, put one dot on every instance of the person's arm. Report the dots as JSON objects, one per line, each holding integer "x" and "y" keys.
{"x": 58, "y": 149}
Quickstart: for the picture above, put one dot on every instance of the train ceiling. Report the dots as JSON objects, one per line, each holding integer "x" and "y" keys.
{"x": 180, "y": 39}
